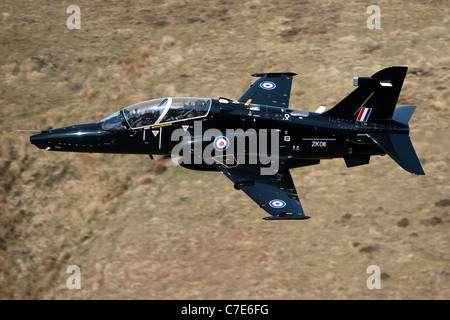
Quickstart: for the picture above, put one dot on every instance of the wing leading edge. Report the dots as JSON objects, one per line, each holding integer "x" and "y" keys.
{"x": 275, "y": 193}
{"x": 273, "y": 89}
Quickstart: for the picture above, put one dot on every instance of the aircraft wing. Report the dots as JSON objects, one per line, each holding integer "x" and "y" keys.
{"x": 273, "y": 89}
{"x": 274, "y": 193}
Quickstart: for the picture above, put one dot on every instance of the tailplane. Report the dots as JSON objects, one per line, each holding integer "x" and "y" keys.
{"x": 403, "y": 114}
{"x": 399, "y": 147}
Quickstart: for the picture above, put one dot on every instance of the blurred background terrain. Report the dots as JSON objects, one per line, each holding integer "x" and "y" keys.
{"x": 143, "y": 229}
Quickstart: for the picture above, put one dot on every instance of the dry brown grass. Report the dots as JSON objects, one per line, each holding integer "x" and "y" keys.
{"x": 438, "y": 105}
{"x": 9, "y": 69}
{"x": 184, "y": 234}
{"x": 133, "y": 66}
{"x": 27, "y": 67}
{"x": 120, "y": 92}
{"x": 88, "y": 93}
{"x": 145, "y": 179}
{"x": 167, "y": 42}
{"x": 101, "y": 76}
{"x": 161, "y": 164}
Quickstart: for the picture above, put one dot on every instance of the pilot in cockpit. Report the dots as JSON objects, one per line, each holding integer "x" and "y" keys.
{"x": 188, "y": 108}
{"x": 150, "y": 117}
{"x": 136, "y": 117}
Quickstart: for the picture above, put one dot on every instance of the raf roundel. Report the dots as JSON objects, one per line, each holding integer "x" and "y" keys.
{"x": 221, "y": 143}
{"x": 277, "y": 204}
{"x": 268, "y": 85}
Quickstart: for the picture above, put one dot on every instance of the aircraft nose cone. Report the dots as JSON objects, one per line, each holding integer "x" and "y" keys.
{"x": 40, "y": 140}
{"x": 81, "y": 137}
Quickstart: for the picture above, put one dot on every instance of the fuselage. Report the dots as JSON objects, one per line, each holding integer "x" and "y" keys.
{"x": 301, "y": 135}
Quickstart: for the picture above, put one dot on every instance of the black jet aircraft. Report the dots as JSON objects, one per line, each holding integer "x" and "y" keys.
{"x": 365, "y": 123}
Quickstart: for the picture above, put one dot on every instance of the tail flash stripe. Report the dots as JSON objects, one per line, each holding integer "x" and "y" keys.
{"x": 363, "y": 115}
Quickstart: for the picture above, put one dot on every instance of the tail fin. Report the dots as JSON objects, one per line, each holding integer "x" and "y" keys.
{"x": 375, "y": 96}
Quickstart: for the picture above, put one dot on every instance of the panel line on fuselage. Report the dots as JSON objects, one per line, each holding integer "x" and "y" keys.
{"x": 324, "y": 139}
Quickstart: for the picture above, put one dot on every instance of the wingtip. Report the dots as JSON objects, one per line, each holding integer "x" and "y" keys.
{"x": 273, "y": 74}
{"x": 287, "y": 217}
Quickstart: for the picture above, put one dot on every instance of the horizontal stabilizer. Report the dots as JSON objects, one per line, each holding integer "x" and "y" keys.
{"x": 403, "y": 114}
{"x": 399, "y": 147}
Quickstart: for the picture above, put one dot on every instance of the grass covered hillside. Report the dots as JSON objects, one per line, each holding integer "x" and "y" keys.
{"x": 146, "y": 229}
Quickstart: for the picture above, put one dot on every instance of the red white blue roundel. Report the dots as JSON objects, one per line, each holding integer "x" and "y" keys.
{"x": 277, "y": 204}
{"x": 221, "y": 143}
{"x": 267, "y": 85}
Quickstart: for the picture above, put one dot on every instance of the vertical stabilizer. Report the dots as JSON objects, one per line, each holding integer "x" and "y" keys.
{"x": 376, "y": 96}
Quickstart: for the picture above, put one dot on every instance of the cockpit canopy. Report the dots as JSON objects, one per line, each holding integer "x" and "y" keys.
{"x": 157, "y": 111}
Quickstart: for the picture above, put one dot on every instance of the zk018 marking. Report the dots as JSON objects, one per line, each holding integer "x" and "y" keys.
{"x": 318, "y": 144}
